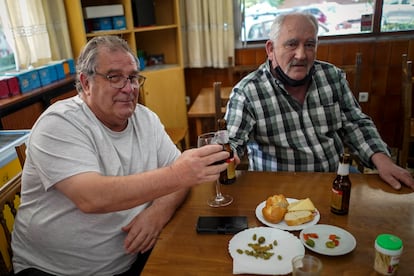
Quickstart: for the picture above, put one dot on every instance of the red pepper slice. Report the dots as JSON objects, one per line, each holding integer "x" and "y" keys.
{"x": 332, "y": 237}
{"x": 313, "y": 235}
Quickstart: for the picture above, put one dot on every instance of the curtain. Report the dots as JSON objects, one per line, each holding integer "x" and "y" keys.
{"x": 36, "y": 30}
{"x": 208, "y": 32}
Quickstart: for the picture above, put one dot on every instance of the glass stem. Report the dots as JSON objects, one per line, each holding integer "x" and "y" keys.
{"x": 219, "y": 196}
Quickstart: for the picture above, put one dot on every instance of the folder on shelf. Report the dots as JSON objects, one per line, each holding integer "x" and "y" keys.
{"x": 103, "y": 11}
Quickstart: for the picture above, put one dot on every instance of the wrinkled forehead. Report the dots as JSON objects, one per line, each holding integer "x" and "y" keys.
{"x": 116, "y": 57}
{"x": 297, "y": 26}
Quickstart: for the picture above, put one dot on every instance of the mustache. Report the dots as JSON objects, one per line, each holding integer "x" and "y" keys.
{"x": 129, "y": 98}
{"x": 298, "y": 63}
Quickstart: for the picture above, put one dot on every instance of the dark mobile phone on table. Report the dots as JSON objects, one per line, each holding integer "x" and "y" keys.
{"x": 221, "y": 224}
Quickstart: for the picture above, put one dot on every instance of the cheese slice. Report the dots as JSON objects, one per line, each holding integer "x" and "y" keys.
{"x": 301, "y": 205}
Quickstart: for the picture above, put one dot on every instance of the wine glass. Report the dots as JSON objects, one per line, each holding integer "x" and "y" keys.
{"x": 219, "y": 199}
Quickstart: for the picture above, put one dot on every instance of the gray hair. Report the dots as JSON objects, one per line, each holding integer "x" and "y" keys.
{"x": 279, "y": 20}
{"x": 88, "y": 61}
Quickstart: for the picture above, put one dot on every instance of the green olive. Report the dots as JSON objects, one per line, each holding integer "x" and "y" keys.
{"x": 330, "y": 244}
{"x": 310, "y": 242}
{"x": 261, "y": 240}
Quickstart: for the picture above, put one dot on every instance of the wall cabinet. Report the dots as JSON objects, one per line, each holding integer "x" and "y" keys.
{"x": 164, "y": 89}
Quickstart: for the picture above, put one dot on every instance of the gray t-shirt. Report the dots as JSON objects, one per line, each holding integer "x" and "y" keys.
{"x": 50, "y": 232}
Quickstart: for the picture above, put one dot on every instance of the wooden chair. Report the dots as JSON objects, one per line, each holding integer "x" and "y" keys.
{"x": 353, "y": 73}
{"x": 407, "y": 81}
{"x": 178, "y": 136}
{"x": 237, "y": 72}
{"x": 219, "y": 103}
{"x": 9, "y": 201}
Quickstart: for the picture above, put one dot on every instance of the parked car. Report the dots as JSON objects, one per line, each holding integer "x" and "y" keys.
{"x": 316, "y": 11}
{"x": 258, "y": 26}
{"x": 398, "y": 14}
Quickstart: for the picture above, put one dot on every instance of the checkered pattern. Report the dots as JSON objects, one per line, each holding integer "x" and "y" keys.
{"x": 283, "y": 135}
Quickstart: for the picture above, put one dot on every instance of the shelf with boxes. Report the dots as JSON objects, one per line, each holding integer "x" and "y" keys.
{"x": 104, "y": 18}
{"x": 20, "y": 82}
{"x": 22, "y": 110}
{"x": 151, "y": 27}
{"x": 153, "y": 32}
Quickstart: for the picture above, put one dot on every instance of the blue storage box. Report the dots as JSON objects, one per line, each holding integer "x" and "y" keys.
{"x": 60, "y": 71}
{"x": 28, "y": 80}
{"x": 101, "y": 24}
{"x": 118, "y": 22}
{"x": 72, "y": 67}
{"x": 47, "y": 74}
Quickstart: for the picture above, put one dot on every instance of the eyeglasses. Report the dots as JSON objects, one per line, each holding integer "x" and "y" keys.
{"x": 119, "y": 81}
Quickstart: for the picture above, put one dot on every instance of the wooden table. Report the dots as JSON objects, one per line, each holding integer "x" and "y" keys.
{"x": 375, "y": 208}
{"x": 204, "y": 107}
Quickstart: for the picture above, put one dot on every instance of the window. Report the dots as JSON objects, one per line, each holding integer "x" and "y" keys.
{"x": 397, "y": 15}
{"x": 6, "y": 53}
{"x": 344, "y": 18}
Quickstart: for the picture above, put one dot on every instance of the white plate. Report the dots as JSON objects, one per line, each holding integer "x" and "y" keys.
{"x": 347, "y": 242}
{"x": 282, "y": 225}
{"x": 288, "y": 246}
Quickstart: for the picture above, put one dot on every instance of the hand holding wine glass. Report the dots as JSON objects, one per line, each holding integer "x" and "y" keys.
{"x": 219, "y": 199}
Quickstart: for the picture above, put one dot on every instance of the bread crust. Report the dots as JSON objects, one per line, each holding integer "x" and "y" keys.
{"x": 298, "y": 217}
{"x": 275, "y": 208}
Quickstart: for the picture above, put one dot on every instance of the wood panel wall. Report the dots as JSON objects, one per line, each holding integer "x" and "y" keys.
{"x": 381, "y": 78}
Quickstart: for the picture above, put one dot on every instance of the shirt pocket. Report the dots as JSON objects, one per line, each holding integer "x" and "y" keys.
{"x": 327, "y": 119}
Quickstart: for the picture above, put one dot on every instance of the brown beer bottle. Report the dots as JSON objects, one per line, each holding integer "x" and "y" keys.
{"x": 341, "y": 187}
{"x": 227, "y": 176}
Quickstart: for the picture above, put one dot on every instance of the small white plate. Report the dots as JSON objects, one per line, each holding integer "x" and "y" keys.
{"x": 288, "y": 246}
{"x": 282, "y": 225}
{"x": 347, "y": 242}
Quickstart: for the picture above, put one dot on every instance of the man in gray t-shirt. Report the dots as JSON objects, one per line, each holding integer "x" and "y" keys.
{"x": 102, "y": 177}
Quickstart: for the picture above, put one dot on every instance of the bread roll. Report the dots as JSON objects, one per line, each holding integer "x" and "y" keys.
{"x": 298, "y": 217}
{"x": 275, "y": 208}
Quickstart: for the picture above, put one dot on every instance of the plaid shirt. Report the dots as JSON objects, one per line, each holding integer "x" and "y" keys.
{"x": 283, "y": 135}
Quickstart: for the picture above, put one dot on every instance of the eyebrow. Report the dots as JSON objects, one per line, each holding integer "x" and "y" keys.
{"x": 119, "y": 71}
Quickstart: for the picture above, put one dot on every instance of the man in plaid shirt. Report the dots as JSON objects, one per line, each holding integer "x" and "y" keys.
{"x": 295, "y": 113}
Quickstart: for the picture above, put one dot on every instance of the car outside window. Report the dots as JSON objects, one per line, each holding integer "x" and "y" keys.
{"x": 345, "y": 18}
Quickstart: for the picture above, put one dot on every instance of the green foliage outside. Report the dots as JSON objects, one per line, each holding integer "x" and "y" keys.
{"x": 393, "y": 27}
{"x": 273, "y": 3}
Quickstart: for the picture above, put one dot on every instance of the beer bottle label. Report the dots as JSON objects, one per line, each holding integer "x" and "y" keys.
{"x": 231, "y": 169}
{"x": 336, "y": 199}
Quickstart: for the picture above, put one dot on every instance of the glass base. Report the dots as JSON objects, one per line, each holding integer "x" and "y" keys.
{"x": 220, "y": 201}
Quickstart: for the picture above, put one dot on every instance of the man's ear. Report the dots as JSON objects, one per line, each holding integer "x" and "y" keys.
{"x": 84, "y": 80}
{"x": 270, "y": 50}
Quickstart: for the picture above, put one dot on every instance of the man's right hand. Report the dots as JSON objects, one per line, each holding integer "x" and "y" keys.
{"x": 195, "y": 165}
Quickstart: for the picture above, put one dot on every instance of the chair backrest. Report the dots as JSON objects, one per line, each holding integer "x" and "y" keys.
{"x": 237, "y": 72}
{"x": 406, "y": 98}
{"x": 9, "y": 201}
{"x": 355, "y": 71}
{"x": 217, "y": 103}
